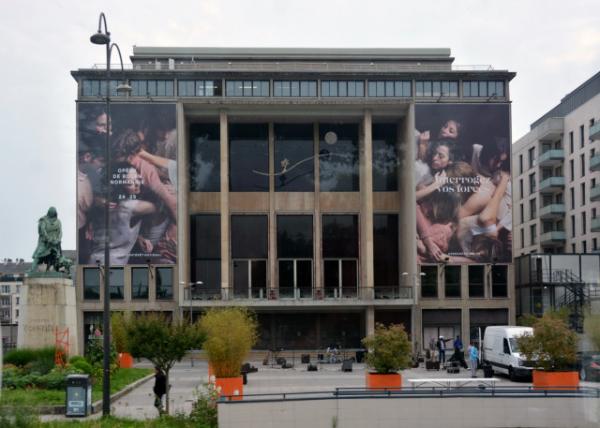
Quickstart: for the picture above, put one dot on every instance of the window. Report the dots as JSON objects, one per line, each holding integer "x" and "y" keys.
{"x": 522, "y": 209}
{"x": 593, "y": 212}
{"x": 205, "y": 157}
{"x": 386, "y": 250}
{"x": 199, "y": 88}
{"x": 436, "y": 88}
{"x": 533, "y": 234}
{"x": 294, "y": 158}
{"x": 342, "y": 88}
{"x": 594, "y": 244}
{"x": 248, "y": 157}
{"x": 521, "y": 188}
{"x": 522, "y": 238}
{"x": 532, "y": 209}
{"x": 152, "y": 88}
{"x": 473, "y": 88}
{"x": 452, "y": 281}
{"x": 499, "y": 281}
{"x": 295, "y": 88}
{"x": 338, "y": 158}
{"x": 476, "y": 281}
{"x": 206, "y": 252}
{"x": 97, "y": 88}
{"x": 572, "y": 169}
{"x": 520, "y": 164}
{"x": 247, "y": 88}
{"x": 295, "y": 254}
{"x": 573, "y": 233}
{"x": 117, "y": 284}
{"x": 385, "y": 158}
{"x": 139, "y": 283}
{"x": 581, "y": 136}
{"x": 582, "y": 164}
{"x": 582, "y": 191}
{"x": 390, "y": 88}
{"x": 91, "y": 283}
{"x": 571, "y": 145}
{"x": 583, "y": 223}
{"x": 531, "y": 157}
{"x": 584, "y": 246}
{"x": 249, "y": 253}
{"x": 532, "y": 183}
{"x": 164, "y": 283}
{"x": 429, "y": 286}
{"x": 340, "y": 254}
{"x": 572, "y": 193}
{"x": 573, "y": 248}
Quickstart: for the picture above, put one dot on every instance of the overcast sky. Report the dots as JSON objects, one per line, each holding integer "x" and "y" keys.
{"x": 552, "y": 45}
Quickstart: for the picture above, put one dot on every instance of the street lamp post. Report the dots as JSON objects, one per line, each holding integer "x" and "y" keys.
{"x": 190, "y": 286}
{"x": 103, "y": 38}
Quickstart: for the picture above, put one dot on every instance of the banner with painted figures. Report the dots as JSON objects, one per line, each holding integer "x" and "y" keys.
{"x": 463, "y": 188}
{"x": 143, "y": 183}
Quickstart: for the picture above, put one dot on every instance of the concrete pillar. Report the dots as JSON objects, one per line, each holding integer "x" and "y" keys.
{"x": 406, "y": 193}
{"x": 272, "y": 280}
{"x": 224, "y": 202}
{"x": 183, "y": 217}
{"x": 370, "y": 320}
{"x": 366, "y": 203}
{"x": 318, "y": 254}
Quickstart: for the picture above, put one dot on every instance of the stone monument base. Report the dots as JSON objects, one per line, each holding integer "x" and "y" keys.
{"x": 47, "y": 303}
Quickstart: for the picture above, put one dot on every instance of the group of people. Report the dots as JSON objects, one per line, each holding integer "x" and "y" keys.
{"x": 463, "y": 192}
{"x": 143, "y": 184}
{"x": 459, "y": 355}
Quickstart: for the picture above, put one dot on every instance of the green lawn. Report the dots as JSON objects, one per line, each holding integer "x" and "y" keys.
{"x": 43, "y": 397}
{"x": 110, "y": 422}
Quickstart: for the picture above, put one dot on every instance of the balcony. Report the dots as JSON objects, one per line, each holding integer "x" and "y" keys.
{"x": 553, "y": 238}
{"x": 595, "y": 132}
{"x": 552, "y": 185}
{"x": 596, "y": 224}
{"x": 550, "y": 129}
{"x": 551, "y": 157}
{"x": 595, "y": 163}
{"x": 552, "y": 211}
{"x": 595, "y": 193}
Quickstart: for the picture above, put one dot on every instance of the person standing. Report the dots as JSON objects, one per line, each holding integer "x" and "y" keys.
{"x": 441, "y": 345}
{"x": 459, "y": 354}
{"x": 160, "y": 389}
{"x": 473, "y": 359}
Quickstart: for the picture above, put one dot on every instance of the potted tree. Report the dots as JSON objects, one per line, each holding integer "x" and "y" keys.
{"x": 388, "y": 352}
{"x": 553, "y": 347}
{"x": 230, "y": 334}
{"x": 119, "y": 338}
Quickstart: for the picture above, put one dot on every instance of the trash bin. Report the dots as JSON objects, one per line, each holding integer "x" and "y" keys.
{"x": 360, "y": 356}
{"x": 79, "y": 395}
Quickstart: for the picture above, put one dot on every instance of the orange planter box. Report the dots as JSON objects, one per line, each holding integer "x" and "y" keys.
{"x": 232, "y": 387}
{"x": 125, "y": 360}
{"x": 384, "y": 381}
{"x": 555, "y": 380}
{"x": 211, "y": 372}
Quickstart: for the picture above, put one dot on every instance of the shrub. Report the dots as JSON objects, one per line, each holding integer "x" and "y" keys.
{"x": 76, "y": 358}
{"x": 204, "y": 410}
{"x": 118, "y": 331}
{"x": 24, "y": 356}
{"x": 389, "y": 349}
{"x": 83, "y": 366}
{"x": 95, "y": 352}
{"x": 230, "y": 335}
{"x": 553, "y": 345}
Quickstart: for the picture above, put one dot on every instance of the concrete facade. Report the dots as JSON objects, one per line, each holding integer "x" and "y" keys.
{"x": 225, "y": 65}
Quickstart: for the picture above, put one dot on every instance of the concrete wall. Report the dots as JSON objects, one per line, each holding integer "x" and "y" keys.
{"x": 415, "y": 412}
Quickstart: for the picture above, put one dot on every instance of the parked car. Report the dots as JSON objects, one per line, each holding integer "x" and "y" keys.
{"x": 501, "y": 352}
{"x": 589, "y": 367}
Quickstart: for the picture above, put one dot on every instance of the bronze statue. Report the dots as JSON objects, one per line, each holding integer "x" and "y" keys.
{"x": 48, "y": 250}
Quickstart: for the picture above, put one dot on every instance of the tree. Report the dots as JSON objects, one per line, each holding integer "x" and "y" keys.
{"x": 389, "y": 349}
{"x": 591, "y": 327}
{"x": 160, "y": 340}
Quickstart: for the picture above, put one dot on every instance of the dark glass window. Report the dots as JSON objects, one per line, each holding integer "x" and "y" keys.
{"x": 476, "y": 281}
{"x": 249, "y": 236}
{"x": 139, "y": 283}
{"x": 340, "y": 236}
{"x": 385, "y": 158}
{"x": 247, "y": 88}
{"x": 117, "y": 283}
{"x": 338, "y": 157}
{"x": 390, "y": 88}
{"x": 97, "y": 88}
{"x": 199, "y": 88}
{"x": 295, "y": 88}
{"x": 429, "y": 286}
{"x": 294, "y": 158}
{"x": 385, "y": 250}
{"x": 206, "y": 251}
{"x": 205, "y": 165}
{"x": 342, "y": 88}
{"x": 474, "y": 88}
{"x": 248, "y": 158}
{"x": 164, "y": 283}
{"x": 155, "y": 88}
{"x": 499, "y": 281}
{"x": 91, "y": 283}
{"x": 452, "y": 277}
{"x": 295, "y": 236}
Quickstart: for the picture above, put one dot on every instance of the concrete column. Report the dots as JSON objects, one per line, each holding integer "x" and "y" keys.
{"x": 406, "y": 193}
{"x": 370, "y": 320}
{"x": 272, "y": 280}
{"x": 318, "y": 254}
{"x": 366, "y": 202}
{"x": 183, "y": 217}
{"x": 225, "y": 253}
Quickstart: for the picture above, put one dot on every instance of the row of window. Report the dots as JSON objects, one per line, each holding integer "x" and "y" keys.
{"x": 140, "y": 283}
{"x": 298, "y": 88}
{"x": 452, "y": 281}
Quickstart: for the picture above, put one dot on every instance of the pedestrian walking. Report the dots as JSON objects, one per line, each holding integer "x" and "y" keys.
{"x": 459, "y": 354}
{"x": 473, "y": 359}
{"x": 160, "y": 389}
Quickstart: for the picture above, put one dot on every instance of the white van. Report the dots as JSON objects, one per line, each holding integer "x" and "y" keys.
{"x": 500, "y": 350}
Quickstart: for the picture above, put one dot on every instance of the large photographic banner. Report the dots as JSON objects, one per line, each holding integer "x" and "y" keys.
{"x": 462, "y": 178}
{"x": 143, "y": 183}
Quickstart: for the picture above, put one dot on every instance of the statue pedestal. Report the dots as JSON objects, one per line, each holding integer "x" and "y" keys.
{"x": 47, "y": 302}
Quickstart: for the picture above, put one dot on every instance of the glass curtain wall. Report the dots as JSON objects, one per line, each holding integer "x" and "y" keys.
{"x": 248, "y": 157}
{"x": 294, "y": 158}
{"x": 249, "y": 252}
{"x": 386, "y": 256}
{"x": 340, "y": 255}
{"x": 205, "y": 157}
{"x": 206, "y": 255}
{"x": 338, "y": 158}
{"x": 295, "y": 254}
{"x": 385, "y": 157}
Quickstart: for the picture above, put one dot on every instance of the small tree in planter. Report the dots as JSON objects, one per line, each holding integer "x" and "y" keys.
{"x": 230, "y": 335}
{"x": 553, "y": 347}
{"x": 389, "y": 351}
